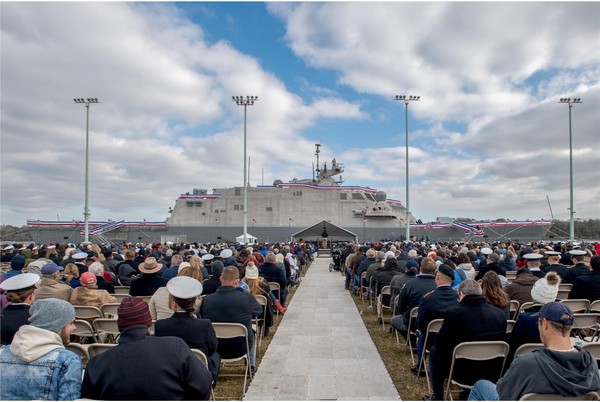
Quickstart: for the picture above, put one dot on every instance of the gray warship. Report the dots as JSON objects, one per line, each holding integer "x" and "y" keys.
{"x": 285, "y": 212}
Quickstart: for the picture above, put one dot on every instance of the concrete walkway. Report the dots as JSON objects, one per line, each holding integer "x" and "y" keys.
{"x": 322, "y": 350}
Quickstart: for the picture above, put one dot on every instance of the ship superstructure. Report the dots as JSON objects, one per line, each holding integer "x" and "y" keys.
{"x": 278, "y": 211}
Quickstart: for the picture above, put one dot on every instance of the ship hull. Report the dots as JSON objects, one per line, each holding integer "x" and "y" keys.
{"x": 270, "y": 234}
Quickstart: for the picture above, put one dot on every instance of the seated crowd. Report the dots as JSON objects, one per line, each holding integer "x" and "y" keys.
{"x": 187, "y": 287}
{"x": 467, "y": 286}
{"x": 190, "y": 287}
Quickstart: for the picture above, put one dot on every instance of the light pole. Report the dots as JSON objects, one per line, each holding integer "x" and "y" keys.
{"x": 245, "y": 102}
{"x": 407, "y": 100}
{"x": 86, "y": 210}
{"x": 570, "y": 102}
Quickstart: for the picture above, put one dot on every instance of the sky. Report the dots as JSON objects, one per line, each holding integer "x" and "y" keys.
{"x": 488, "y": 139}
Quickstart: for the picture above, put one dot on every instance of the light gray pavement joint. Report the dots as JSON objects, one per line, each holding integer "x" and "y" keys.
{"x": 322, "y": 350}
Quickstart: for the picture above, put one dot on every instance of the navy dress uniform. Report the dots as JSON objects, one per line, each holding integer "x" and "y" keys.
{"x": 16, "y": 314}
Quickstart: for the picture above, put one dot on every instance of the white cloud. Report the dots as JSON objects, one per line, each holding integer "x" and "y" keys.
{"x": 165, "y": 124}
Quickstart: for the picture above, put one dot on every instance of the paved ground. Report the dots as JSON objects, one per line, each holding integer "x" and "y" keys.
{"x": 322, "y": 350}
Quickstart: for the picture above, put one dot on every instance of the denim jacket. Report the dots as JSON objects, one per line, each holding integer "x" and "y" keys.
{"x": 55, "y": 375}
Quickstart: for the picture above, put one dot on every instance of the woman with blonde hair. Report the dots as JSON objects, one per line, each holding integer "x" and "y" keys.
{"x": 71, "y": 276}
{"x": 259, "y": 286}
{"x": 197, "y": 262}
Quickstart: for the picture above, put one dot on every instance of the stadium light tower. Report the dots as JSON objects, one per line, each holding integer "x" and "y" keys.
{"x": 245, "y": 102}
{"x": 570, "y": 102}
{"x": 86, "y": 210}
{"x": 407, "y": 99}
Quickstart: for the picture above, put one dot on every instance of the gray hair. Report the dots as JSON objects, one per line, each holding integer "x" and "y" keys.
{"x": 469, "y": 287}
{"x": 96, "y": 268}
{"x": 176, "y": 260}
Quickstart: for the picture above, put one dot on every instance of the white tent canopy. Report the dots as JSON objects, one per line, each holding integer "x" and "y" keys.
{"x": 249, "y": 238}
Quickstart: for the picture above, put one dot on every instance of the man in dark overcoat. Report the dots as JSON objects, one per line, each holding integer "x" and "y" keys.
{"x": 587, "y": 286}
{"x": 472, "y": 320}
{"x": 230, "y": 304}
{"x": 434, "y": 305}
{"x": 143, "y": 367}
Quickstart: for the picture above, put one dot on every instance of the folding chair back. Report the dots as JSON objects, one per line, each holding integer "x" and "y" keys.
{"x": 79, "y": 350}
{"x": 590, "y": 396}
{"x": 202, "y": 357}
{"x": 276, "y": 289}
{"x": 594, "y": 349}
{"x": 478, "y": 351}
{"x": 527, "y": 305}
{"x": 586, "y": 323}
{"x": 510, "y": 324}
{"x": 84, "y": 329}
{"x": 528, "y": 347}
{"x": 226, "y": 330}
{"x": 577, "y": 305}
{"x": 97, "y": 348}
{"x": 385, "y": 291}
{"x": 120, "y": 297}
{"x": 562, "y": 294}
{"x": 412, "y": 333}
{"x": 565, "y": 286}
{"x": 110, "y": 310}
{"x": 433, "y": 328}
{"x": 511, "y": 275}
{"x": 122, "y": 290}
{"x": 88, "y": 313}
{"x": 595, "y": 307}
{"x": 362, "y": 288}
{"x": 514, "y": 309}
{"x": 260, "y": 323}
{"x": 107, "y": 329}
{"x": 145, "y": 298}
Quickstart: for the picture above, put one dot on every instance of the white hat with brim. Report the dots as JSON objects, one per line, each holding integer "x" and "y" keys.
{"x": 20, "y": 282}
{"x": 226, "y": 253}
{"x": 207, "y": 257}
{"x": 182, "y": 266}
{"x": 577, "y": 252}
{"x": 184, "y": 287}
{"x": 80, "y": 256}
{"x": 486, "y": 251}
{"x": 7, "y": 248}
{"x": 533, "y": 256}
{"x": 552, "y": 253}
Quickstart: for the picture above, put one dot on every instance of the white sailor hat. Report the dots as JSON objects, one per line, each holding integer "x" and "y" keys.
{"x": 532, "y": 256}
{"x": 23, "y": 248}
{"x": 552, "y": 253}
{"x": 207, "y": 257}
{"x": 80, "y": 256}
{"x": 52, "y": 247}
{"x": 577, "y": 252}
{"x": 182, "y": 266}
{"x": 226, "y": 253}
{"x": 486, "y": 251}
{"x": 8, "y": 248}
{"x": 184, "y": 287}
{"x": 20, "y": 282}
